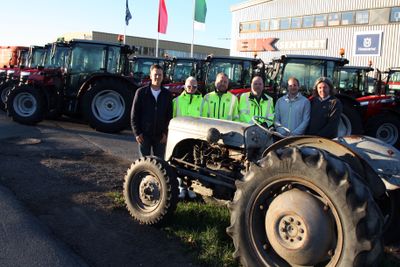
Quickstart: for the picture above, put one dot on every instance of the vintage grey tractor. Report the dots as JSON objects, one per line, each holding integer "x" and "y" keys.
{"x": 294, "y": 201}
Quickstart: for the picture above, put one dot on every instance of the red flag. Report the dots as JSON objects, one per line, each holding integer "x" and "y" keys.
{"x": 162, "y": 17}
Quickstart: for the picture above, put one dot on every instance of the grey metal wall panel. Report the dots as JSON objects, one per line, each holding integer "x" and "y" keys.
{"x": 337, "y": 37}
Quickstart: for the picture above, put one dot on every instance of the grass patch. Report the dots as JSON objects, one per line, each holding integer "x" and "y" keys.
{"x": 117, "y": 198}
{"x": 202, "y": 228}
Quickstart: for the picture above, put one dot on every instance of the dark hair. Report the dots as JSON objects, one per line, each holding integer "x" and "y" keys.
{"x": 294, "y": 79}
{"x": 323, "y": 80}
{"x": 155, "y": 66}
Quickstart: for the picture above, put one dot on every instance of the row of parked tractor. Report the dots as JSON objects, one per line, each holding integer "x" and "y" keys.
{"x": 96, "y": 81}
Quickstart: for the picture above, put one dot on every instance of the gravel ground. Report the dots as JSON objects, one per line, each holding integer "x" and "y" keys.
{"x": 65, "y": 181}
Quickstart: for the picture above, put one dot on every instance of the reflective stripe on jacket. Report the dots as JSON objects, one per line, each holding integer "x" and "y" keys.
{"x": 221, "y": 106}
{"x": 249, "y": 107}
{"x": 187, "y": 105}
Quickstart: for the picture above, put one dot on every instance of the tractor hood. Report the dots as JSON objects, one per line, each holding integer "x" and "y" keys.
{"x": 181, "y": 128}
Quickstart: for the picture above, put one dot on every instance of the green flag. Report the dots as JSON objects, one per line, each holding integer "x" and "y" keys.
{"x": 200, "y": 11}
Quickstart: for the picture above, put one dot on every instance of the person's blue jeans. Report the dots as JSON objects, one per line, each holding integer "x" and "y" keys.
{"x": 148, "y": 145}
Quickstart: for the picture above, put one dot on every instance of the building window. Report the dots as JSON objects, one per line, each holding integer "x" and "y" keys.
{"x": 362, "y": 17}
{"x": 334, "y": 19}
{"x": 348, "y": 18}
{"x": 296, "y": 23}
{"x": 264, "y": 25}
{"x": 395, "y": 14}
{"x": 274, "y": 24}
{"x": 248, "y": 26}
{"x": 308, "y": 21}
{"x": 285, "y": 24}
{"x": 320, "y": 20}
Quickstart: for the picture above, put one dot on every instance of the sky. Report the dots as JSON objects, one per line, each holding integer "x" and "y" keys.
{"x": 27, "y": 22}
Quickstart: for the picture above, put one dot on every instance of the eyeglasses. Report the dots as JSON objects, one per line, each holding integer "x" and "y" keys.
{"x": 191, "y": 86}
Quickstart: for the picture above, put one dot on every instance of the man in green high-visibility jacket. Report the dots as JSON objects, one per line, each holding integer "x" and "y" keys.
{"x": 189, "y": 102}
{"x": 256, "y": 103}
{"x": 221, "y": 104}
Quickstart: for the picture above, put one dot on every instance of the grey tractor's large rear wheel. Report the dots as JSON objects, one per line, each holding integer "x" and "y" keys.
{"x": 107, "y": 105}
{"x": 150, "y": 190}
{"x": 25, "y": 104}
{"x": 304, "y": 207}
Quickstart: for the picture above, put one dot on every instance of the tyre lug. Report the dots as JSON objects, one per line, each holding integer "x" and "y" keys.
{"x": 261, "y": 207}
{"x": 326, "y": 208}
{"x": 266, "y": 246}
{"x": 330, "y": 253}
{"x": 289, "y": 186}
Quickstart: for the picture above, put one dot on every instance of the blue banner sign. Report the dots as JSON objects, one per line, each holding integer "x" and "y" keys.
{"x": 368, "y": 44}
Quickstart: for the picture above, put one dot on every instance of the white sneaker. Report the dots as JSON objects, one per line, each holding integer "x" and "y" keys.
{"x": 191, "y": 194}
{"x": 182, "y": 192}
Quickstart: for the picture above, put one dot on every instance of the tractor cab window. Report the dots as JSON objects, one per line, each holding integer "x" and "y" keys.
{"x": 35, "y": 57}
{"x": 233, "y": 70}
{"x": 305, "y": 71}
{"x": 87, "y": 58}
{"x": 182, "y": 70}
{"x": 393, "y": 83}
{"x": 113, "y": 61}
{"x": 140, "y": 68}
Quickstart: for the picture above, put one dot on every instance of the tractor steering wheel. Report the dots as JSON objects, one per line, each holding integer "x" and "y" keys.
{"x": 260, "y": 121}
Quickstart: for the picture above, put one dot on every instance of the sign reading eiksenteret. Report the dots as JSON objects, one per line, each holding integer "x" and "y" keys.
{"x": 367, "y": 43}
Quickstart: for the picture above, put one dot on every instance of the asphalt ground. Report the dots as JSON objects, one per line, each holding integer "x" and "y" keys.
{"x": 24, "y": 240}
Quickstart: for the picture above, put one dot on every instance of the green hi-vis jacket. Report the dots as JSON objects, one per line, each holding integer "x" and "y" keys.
{"x": 221, "y": 106}
{"x": 187, "y": 105}
{"x": 249, "y": 107}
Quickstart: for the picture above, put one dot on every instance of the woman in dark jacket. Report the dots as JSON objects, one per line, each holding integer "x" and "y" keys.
{"x": 326, "y": 110}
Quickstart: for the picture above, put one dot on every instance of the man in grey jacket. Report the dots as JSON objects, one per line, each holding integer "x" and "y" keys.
{"x": 292, "y": 111}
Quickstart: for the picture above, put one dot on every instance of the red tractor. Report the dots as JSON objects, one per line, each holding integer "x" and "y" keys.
{"x": 93, "y": 83}
{"x": 28, "y": 61}
{"x": 379, "y": 100}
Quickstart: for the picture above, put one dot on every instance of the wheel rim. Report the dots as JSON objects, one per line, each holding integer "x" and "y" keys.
{"x": 388, "y": 133}
{"x": 344, "y": 126}
{"x": 25, "y": 104}
{"x": 108, "y": 106}
{"x": 145, "y": 191}
{"x": 258, "y": 217}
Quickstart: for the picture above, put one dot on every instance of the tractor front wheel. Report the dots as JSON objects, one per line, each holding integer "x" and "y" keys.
{"x": 150, "y": 190}
{"x": 25, "y": 104}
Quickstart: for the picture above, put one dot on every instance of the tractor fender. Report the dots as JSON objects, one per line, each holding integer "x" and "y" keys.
{"x": 348, "y": 99}
{"x": 350, "y": 150}
{"x": 95, "y": 77}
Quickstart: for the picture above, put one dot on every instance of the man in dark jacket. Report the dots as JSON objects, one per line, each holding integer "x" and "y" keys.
{"x": 151, "y": 113}
{"x": 326, "y": 110}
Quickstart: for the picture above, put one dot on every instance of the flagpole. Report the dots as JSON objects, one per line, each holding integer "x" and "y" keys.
{"x": 125, "y": 34}
{"x": 158, "y": 35}
{"x": 191, "y": 46}
{"x": 158, "y": 25}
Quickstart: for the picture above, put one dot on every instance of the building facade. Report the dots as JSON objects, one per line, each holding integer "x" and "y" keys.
{"x": 367, "y": 30}
{"x": 147, "y": 46}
